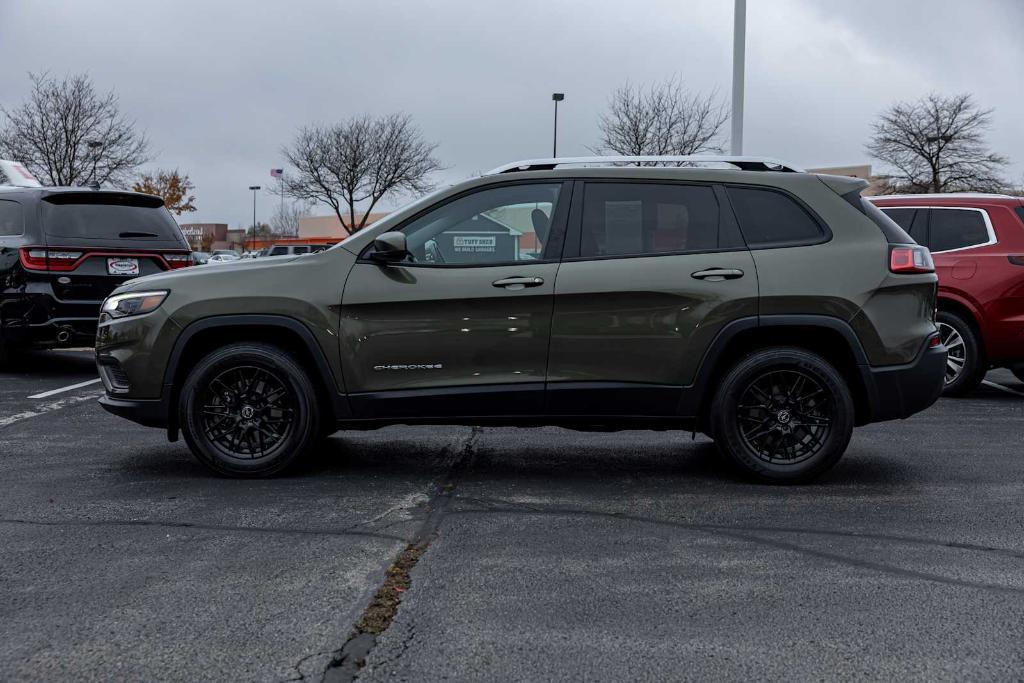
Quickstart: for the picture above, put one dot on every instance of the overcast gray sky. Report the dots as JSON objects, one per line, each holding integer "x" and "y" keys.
{"x": 219, "y": 87}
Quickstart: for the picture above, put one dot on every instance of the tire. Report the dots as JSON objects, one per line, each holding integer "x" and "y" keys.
{"x": 248, "y": 410}
{"x": 782, "y": 415}
{"x": 964, "y": 347}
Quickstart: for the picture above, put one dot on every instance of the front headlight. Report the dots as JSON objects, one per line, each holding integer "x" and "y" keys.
{"x": 134, "y": 303}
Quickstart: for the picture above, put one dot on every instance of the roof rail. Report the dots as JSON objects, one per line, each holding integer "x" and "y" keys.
{"x": 742, "y": 163}
{"x": 951, "y": 195}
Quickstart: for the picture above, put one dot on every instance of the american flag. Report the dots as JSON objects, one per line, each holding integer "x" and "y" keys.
{"x": 276, "y": 172}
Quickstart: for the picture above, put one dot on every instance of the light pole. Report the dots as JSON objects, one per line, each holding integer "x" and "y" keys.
{"x": 254, "y": 189}
{"x": 94, "y": 146}
{"x": 557, "y": 97}
{"x": 739, "y": 39}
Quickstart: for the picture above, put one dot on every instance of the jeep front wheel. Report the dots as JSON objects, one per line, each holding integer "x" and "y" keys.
{"x": 783, "y": 415}
{"x": 248, "y": 410}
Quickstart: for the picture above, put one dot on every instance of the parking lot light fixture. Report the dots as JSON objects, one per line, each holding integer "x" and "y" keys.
{"x": 254, "y": 188}
{"x": 556, "y": 97}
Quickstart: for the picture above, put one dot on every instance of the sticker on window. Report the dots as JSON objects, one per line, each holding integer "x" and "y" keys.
{"x": 475, "y": 243}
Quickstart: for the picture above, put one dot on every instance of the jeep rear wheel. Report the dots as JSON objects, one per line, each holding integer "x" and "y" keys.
{"x": 248, "y": 410}
{"x": 783, "y": 415}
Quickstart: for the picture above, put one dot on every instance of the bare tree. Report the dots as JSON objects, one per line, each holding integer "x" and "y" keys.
{"x": 936, "y": 144}
{"x": 661, "y": 119}
{"x": 357, "y": 163}
{"x": 285, "y": 220}
{"x": 66, "y": 133}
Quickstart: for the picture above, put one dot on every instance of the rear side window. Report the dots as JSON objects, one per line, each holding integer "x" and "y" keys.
{"x": 108, "y": 217}
{"x": 278, "y": 251}
{"x": 11, "y": 220}
{"x": 635, "y": 219}
{"x": 956, "y": 229}
{"x": 895, "y": 233}
{"x": 1020, "y": 213}
{"x": 902, "y": 217}
{"x": 768, "y": 218}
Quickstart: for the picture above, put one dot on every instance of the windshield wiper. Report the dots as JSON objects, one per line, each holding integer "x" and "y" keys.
{"x": 126, "y": 235}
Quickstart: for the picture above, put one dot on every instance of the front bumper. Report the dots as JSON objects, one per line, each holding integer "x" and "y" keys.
{"x": 899, "y": 391}
{"x": 146, "y": 412}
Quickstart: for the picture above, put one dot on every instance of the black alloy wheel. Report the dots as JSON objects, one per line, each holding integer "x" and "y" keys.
{"x": 782, "y": 415}
{"x": 248, "y": 410}
{"x": 785, "y": 416}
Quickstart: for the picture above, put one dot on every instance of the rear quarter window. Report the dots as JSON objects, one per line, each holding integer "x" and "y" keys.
{"x": 956, "y": 229}
{"x": 769, "y": 218}
{"x": 12, "y": 220}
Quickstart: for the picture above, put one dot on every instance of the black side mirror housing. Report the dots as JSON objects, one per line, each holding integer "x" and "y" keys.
{"x": 390, "y": 248}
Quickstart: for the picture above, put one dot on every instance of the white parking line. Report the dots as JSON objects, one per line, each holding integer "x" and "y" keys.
{"x": 47, "y": 394}
{"x": 46, "y": 408}
{"x": 1000, "y": 387}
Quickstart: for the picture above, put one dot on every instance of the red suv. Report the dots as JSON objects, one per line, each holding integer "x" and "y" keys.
{"x": 977, "y": 241}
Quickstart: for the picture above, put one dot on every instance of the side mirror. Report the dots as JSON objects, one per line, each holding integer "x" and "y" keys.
{"x": 390, "y": 248}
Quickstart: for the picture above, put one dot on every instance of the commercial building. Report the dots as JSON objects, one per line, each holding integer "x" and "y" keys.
{"x": 329, "y": 227}
{"x": 212, "y": 236}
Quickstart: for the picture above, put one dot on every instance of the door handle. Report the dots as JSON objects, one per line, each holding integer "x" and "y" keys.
{"x": 717, "y": 274}
{"x": 518, "y": 282}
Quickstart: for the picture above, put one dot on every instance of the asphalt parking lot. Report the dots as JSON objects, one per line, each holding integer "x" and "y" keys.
{"x": 546, "y": 554}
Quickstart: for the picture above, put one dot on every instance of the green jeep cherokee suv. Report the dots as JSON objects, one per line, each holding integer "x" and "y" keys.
{"x": 771, "y": 309}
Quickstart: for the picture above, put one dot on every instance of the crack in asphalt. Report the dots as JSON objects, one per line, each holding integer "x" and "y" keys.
{"x": 749, "y": 534}
{"x": 201, "y": 527}
{"x": 349, "y": 659}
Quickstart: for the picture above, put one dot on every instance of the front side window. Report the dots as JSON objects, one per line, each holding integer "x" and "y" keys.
{"x": 768, "y": 218}
{"x": 509, "y": 224}
{"x": 11, "y": 220}
{"x": 956, "y": 229}
{"x": 635, "y": 219}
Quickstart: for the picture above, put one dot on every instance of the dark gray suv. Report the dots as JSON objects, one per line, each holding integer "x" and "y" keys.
{"x": 771, "y": 309}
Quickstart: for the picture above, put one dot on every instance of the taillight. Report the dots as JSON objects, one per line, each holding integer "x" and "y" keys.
{"x": 35, "y": 258}
{"x": 178, "y": 260}
{"x": 910, "y": 259}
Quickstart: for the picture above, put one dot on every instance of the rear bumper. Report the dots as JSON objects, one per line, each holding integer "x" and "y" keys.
{"x": 37, "y": 318}
{"x": 899, "y": 391}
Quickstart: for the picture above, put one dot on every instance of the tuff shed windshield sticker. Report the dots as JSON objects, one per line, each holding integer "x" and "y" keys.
{"x": 410, "y": 366}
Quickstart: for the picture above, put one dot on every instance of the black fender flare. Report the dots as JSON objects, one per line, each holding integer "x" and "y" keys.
{"x": 695, "y": 394}
{"x": 339, "y": 402}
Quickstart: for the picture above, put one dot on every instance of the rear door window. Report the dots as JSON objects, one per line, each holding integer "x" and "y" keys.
{"x": 637, "y": 219}
{"x": 773, "y": 219}
{"x": 12, "y": 221}
{"x": 956, "y": 229}
{"x": 902, "y": 217}
{"x": 914, "y": 221}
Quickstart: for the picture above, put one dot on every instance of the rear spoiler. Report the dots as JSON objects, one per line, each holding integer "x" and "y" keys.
{"x": 843, "y": 185}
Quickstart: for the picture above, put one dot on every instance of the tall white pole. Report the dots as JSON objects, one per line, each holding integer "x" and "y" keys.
{"x": 739, "y": 38}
